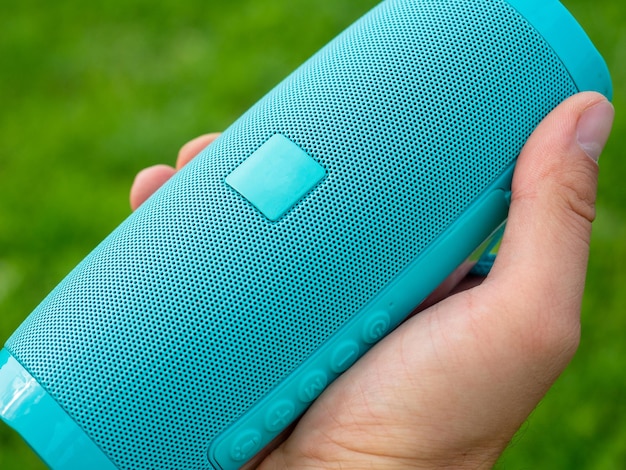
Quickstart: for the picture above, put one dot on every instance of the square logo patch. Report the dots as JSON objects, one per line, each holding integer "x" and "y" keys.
{"x": 276, "y": 177}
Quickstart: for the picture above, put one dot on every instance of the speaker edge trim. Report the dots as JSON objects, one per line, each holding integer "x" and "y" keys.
{"x": 60, "y": 442}
{"x": 562, "y": 32}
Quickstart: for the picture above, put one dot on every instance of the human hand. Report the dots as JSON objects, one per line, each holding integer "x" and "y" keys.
{"x": 150, "y": 179}
{"x": 450, "y": 387}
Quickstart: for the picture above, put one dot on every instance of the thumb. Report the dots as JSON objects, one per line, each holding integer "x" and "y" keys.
{"x": 543, "y": 256}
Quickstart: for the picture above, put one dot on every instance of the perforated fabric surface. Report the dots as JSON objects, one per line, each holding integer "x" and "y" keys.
{"x": 189, "y": 312}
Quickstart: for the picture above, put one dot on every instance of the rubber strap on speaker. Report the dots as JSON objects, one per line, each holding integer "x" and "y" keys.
{"x": 37, "y": 417}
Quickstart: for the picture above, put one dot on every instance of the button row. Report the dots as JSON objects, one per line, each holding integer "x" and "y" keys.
{"x": 291, "y": 398}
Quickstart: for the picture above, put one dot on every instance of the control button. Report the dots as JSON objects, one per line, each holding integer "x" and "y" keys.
{"x": 246, "y": 445}
{"x": 279, "y": 415}
{"x": 312, "y": 385}
{"x": 375, "y": 326}
{"x": 344, "y": 356}
{"x": 507, "y": 197}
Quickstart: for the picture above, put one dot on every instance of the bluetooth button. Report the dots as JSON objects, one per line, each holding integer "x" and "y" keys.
{"x": 246, "y": 445}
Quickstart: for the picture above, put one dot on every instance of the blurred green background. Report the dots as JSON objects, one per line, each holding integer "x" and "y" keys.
{"x": 91, "y": 92}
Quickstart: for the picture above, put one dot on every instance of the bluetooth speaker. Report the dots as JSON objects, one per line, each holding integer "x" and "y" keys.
{"x": 214, "y": 315}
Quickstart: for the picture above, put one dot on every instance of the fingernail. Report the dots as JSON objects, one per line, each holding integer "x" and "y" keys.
{"x": 594, "y": 128}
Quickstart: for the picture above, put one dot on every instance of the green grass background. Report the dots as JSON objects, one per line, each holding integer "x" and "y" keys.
{"x": 91, "y": 92}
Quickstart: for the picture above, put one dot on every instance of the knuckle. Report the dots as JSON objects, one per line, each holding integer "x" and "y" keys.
{"x": 543, "y": 331}
{"x": 577, "y": 194}
{"x": 556, "y": 341}
{"x": 553, "y": 335}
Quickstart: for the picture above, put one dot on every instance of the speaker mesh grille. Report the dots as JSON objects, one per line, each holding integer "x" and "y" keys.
{"x": 141, "y": 342}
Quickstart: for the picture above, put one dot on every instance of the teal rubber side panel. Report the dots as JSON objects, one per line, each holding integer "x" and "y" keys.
{"x": 45, "y": 426}
{"x": 570, "y": 42}
{"x": 289, "y": 399}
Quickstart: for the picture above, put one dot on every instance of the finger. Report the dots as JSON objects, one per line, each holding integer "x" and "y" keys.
{"x": 543, "y": 257}
{"x": 147, "y": 182}
{"x": 193, "y": 148}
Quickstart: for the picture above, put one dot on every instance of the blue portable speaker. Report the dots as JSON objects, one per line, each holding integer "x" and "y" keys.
{"x": 217, "y": 312}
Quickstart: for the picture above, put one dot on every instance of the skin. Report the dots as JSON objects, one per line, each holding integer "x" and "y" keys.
{"x": 450, "y": 387}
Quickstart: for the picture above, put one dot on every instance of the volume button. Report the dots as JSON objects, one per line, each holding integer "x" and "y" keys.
{"x": 345, "y": 354}
{"x": 279, "y": 415}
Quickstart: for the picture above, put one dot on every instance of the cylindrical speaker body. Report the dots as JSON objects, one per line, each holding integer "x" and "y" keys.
{"x": 218, "y": 311}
